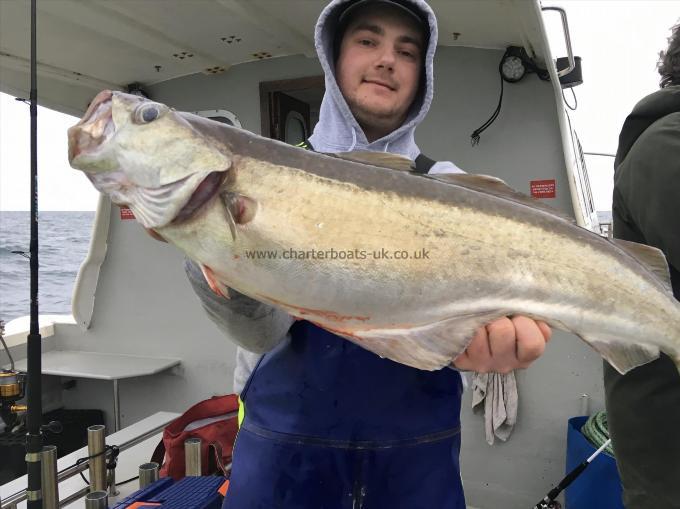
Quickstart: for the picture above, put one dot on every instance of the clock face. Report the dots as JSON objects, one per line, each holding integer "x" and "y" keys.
{"x": 512, "y": 68}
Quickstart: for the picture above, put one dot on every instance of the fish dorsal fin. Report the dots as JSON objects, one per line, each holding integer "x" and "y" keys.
{"x": 382, "y": 159}
{"x": 497, "y": 187}
{"x": 650, "y": 257}
{"x": 623, "y": 357}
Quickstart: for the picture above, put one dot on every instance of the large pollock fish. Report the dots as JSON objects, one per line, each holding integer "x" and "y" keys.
{"x": 407, "y": 266}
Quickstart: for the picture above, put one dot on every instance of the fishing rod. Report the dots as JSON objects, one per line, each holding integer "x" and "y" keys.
{"x": 548, "y": 501}
{"x": 34, "y": 387}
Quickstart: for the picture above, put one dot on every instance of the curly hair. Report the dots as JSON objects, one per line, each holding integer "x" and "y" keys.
{"x": 669, "y": 60}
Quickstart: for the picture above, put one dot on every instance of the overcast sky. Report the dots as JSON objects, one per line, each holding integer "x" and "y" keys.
{"x": 618, "y": 40}
{"x": 60, "y": 187}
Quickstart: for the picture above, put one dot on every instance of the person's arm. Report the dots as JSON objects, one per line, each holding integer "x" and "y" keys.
{"x": 252, "y": 325}
{"x": 246, "y": 362}
{"x": 648, "y": 187}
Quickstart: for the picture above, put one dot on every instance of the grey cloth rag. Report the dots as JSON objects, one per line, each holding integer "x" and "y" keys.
{"x": 499, "y": 394}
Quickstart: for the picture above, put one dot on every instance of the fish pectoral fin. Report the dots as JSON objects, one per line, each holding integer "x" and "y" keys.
{"x": 497, "y": 187}
{"x": 650, "y": 257}
{"x": 214, "y": 283}
{"x": 238, "y": 209}
{"x": 382, "y": 159}
{"x": 623, "y": 357}
{"x": 430, "y": 346}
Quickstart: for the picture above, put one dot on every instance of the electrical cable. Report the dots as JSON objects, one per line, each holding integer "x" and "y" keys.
{"x": 475, "y": 136}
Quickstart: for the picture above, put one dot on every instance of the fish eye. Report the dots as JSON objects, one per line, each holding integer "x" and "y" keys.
{"x": 147, "y": 113}
{"x": 150, "y": 114}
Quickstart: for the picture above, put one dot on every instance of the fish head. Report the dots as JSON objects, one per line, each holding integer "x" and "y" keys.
{"x": 146, "y": 156}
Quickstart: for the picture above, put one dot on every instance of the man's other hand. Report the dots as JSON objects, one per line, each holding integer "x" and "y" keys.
{"x": 505, "y": 344}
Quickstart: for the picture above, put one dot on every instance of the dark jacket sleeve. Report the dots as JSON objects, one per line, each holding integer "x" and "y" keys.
{"x": 647, "y": 189}
{"x": 252, "y": 325}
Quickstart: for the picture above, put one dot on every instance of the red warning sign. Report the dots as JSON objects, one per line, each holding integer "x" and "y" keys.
{"x": 126, "y": 213}
{"x": 542, "y": 188}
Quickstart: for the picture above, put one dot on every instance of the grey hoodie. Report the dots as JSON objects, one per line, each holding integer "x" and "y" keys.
{"x": 255, "y": 327}
{"x": 337, "y": 129}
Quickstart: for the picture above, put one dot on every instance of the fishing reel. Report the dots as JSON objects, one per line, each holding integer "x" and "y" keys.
{"x": 12, "y": 389}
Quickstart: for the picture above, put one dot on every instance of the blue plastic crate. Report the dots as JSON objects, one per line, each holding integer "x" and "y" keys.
{"x": 187, "y": 493}
{"x": 599, "y": 485}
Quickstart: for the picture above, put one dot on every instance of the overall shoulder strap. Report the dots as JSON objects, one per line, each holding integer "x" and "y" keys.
{"x": 423, "y": 164}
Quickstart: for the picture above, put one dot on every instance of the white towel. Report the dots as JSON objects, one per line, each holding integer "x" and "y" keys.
{"x": 499, "y": 394}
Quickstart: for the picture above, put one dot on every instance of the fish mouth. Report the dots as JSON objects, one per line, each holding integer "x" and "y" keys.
{"x": 94, "y": 128}
{"x": 204, "y": 192}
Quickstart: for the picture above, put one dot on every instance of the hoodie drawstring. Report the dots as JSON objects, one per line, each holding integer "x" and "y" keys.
{"x": 354, "y": 140}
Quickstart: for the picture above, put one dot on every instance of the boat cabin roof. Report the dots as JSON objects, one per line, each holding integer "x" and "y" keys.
{"x": 84, "y": 47}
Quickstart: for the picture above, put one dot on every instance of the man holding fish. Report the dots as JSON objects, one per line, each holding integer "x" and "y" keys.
{"x": 329, "y": 424}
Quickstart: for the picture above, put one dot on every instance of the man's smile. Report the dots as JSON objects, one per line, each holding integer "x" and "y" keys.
{"x": 381, "y": 83}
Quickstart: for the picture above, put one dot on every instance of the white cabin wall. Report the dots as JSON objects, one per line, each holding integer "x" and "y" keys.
{"x": 237, "y": 90}
{"x": 144, "y": 306}
{"x": 523, "y": 143}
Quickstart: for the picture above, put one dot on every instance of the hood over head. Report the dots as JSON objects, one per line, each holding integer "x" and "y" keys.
{"x": 337, "y": 129}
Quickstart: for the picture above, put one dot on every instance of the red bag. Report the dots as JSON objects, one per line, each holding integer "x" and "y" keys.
{"x": 215, "y": 422}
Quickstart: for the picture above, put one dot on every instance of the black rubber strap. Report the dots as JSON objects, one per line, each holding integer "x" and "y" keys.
{"x": 423, "y": 164}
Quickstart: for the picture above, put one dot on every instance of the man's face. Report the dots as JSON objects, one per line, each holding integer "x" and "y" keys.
{"x": 378, "y": 68}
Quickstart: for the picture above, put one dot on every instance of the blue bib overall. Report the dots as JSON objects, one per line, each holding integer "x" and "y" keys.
{"x": 329, "y": 425}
